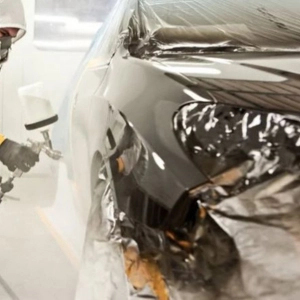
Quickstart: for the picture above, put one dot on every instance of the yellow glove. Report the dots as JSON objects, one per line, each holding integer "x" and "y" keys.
{"x": 2, "y": 139}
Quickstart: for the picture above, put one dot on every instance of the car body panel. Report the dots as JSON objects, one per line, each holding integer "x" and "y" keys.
{"x": 135, "y": 80}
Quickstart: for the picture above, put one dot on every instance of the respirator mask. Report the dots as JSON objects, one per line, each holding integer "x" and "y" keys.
{"x": 5, "y": 45}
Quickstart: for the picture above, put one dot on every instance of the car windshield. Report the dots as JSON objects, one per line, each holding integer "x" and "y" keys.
{"x": 168, "y": 25}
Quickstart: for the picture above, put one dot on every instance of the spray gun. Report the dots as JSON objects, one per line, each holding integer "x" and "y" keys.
{"x": 39, "y": 116}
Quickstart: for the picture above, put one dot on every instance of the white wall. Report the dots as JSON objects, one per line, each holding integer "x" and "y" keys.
{"x": 28, "y": 65}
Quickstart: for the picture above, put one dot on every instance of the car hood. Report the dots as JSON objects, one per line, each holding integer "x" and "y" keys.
{"x": 268, "y": 81}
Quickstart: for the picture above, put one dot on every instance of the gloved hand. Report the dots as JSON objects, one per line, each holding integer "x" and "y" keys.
{"x": 15, "y": 156}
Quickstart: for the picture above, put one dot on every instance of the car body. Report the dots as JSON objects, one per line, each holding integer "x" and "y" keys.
{"x": 205, "y": 97}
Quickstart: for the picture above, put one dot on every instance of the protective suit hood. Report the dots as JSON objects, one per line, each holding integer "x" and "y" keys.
{"x": 12, "y": 16}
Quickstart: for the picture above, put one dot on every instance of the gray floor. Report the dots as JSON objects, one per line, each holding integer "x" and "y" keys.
{"x": 33, "y": 264}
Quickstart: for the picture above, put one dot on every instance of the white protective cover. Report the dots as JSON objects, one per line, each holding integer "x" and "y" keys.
{"x": 37, "y": 107}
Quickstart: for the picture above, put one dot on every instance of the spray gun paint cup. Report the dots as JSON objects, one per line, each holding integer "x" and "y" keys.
{"x": 39, "y": 114}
